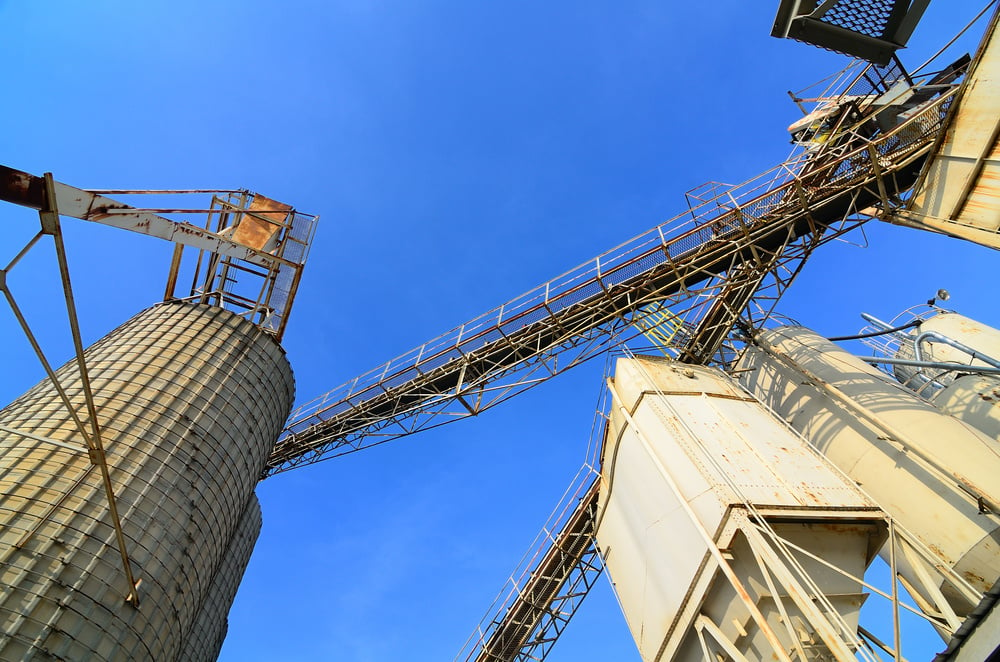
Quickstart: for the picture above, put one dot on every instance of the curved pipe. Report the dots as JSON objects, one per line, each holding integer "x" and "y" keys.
{"x": 953, "y": 343}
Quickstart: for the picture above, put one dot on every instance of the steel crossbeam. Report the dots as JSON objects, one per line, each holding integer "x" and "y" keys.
{"x": 704, "y": 265}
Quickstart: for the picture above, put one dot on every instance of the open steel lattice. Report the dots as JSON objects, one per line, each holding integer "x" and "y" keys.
{"x": 705, "y": 265}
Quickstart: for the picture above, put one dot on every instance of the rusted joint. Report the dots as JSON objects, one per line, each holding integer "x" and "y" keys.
{"x": 49, "y": 213}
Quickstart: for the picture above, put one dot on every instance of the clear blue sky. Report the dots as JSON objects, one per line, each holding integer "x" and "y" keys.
{"x": 459, "y": 153}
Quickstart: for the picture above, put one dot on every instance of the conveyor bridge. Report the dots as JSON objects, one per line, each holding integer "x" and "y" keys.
{"x": 704, "y": 265}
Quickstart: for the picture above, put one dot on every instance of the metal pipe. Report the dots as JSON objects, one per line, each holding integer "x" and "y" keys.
{"x": 873, "y": 334}
{"x": 945, "y": 367}
{"x": 977, "y": 355}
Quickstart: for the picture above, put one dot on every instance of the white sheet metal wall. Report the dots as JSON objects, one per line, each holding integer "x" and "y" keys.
{"x": 960, "y": 194}
{"x": 695, "y": 428}
{"x": 923, "y": 467}
{"x": 190, "y": 400}
{"x": 974, "y": 399}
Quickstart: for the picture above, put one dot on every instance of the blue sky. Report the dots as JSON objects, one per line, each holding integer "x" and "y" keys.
{"x": 459, "y": 154}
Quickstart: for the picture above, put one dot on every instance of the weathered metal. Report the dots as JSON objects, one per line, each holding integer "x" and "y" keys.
{"x": 933, "y": 474}
{"x": 870, "y": 30}
{"x": 545, "y": 602}
{"x": 959, "y": 193}
{"x": 702, "y": 492}
{"x": 95, "y": 445}
{"x": 973, "y": 399}
{"x": 28, "y": 190}
{"x": 705, "y": 264}
{"x": 204, "y": 641}
{"x": 265, "y": 241}
{"x": 190, "y": 400}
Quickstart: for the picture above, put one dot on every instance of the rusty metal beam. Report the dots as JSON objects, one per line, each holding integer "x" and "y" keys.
{"x": 49, "y": 219}
{"x": 28, "y": 190}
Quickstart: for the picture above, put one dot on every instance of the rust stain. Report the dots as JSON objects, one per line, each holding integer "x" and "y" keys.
{"x": 21, "y": 188}
{"x": 973, "y": 578}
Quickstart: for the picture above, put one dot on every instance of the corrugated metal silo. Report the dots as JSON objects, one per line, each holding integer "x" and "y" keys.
{"x": 190, "y": 400}
{"x": 205, "y": 639}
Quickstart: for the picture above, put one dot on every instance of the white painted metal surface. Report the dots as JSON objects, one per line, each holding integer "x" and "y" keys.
{"x": 974, "y": 399}
{"x": 932, "y": 473}
{"x": 190, "y": 399}
{"x": 924, "y": 343}
{"x": 960, "y": 194}
{"x": 969, "y": 332}
{"x": 691, "y": 462}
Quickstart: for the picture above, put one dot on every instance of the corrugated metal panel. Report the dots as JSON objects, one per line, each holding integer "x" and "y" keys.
{"x": 204, "y": 641}
{"x": 190, "y": 399}
{"x": 961, "y": 192}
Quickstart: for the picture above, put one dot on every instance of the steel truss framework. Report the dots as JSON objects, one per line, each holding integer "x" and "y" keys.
{"x": 524, "y": 624}
{"x": 704, "y": 265}
{"x": 250, "y": 250}
{"x": 542, "y": 601}
{"x": 744, "y": 294}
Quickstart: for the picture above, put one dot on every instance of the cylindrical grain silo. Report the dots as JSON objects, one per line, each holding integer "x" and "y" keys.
{"x": 204, "y": 641}
{"x": 933, "y": 473}
{"x": 701, "y": 488}
{"x": 190, "y": 399}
